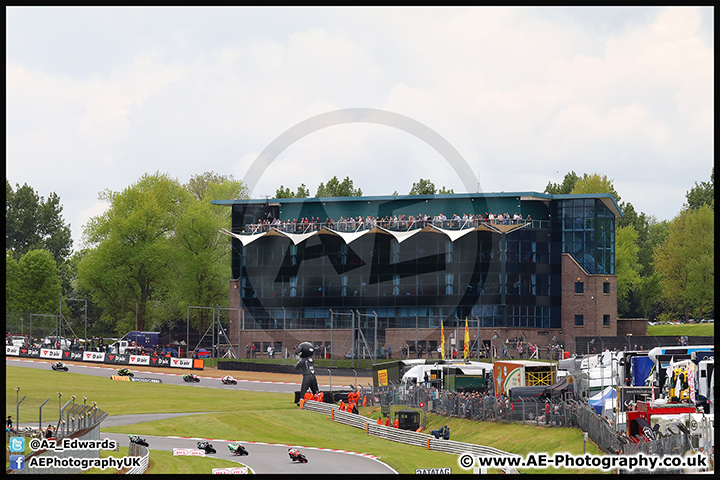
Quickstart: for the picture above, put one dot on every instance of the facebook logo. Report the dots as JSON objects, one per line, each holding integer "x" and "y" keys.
{"x": 17, "y": 462}
{"x": 17, "y": 444}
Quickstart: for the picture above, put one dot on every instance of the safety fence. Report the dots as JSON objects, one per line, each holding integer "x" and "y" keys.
{"x": 403, "y": 436}
{"x": 135, "y": 450}
{"x": 569, "y": 413}
{"x": 65, "y": 457}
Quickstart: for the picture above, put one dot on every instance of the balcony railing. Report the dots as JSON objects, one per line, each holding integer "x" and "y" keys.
{"x": 391, "y": 225}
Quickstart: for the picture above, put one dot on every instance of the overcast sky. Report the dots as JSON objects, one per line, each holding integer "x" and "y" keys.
{"x": 96, "y": 97}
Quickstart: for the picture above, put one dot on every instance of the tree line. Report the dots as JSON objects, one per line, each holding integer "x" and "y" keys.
{"x": 156, "y": 249}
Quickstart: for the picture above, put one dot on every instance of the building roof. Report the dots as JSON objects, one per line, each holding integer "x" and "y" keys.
{"x": 606, "y": 198}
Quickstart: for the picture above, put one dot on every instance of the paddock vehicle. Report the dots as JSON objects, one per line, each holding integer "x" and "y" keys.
{"x": 191, "y": 377}
{"x": 228, "y": 380}
{"x": 125, "y": 372}
{"x": 236, "y": 448}
{"x": 59, "y": 366}
{"x": 207, "y": 446}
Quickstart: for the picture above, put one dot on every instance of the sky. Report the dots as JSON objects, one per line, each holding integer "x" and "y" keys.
{"x": 98, "y": 97}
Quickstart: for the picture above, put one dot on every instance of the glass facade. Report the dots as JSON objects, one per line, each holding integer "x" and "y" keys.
{"x": 588, "y": 234}
{"x": 499, "y": 279}
{"x": 495, "y": 277}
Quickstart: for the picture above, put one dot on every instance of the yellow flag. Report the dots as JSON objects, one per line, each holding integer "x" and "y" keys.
{"x": 466, "y": 347}
{"x": 442, "y": 341}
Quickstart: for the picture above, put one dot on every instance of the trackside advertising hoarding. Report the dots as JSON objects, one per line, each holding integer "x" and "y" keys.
{"x": 104, "y": 357}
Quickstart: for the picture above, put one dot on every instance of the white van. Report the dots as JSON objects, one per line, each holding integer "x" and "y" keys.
{"x": 18, "y": 340}
{"x": 435, "y": 371}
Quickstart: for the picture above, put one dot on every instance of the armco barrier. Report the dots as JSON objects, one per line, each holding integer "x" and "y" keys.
{"x": 141, "y": 451}
{"x": 403, "y": 436}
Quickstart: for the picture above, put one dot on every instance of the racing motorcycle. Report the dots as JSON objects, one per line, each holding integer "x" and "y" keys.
{"x": 296, "y": 456}
{"x": 237, "y": 449}
{"x": 57, "y": 366}
{"x": 138, "y": 440}
{"x": 125, "y": 372}
{"x": 228, "y": 380}
{"x": 191, "y": 377}
{"x": 207, "y": 446}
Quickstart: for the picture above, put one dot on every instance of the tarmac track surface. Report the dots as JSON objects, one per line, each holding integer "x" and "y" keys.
{"x": 273, "y": 458}
{"x": 262, "y": 458}
{"x": 206, "y": 381}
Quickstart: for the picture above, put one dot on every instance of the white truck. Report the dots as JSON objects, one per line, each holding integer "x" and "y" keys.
{"x": 119, "y": 347}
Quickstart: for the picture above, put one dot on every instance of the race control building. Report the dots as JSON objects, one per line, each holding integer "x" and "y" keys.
{"x": 390, "y": 269}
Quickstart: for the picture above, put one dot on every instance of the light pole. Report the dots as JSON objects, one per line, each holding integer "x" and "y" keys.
{"x": 283, "y": 345}
{"x": 613, "y": 372}
{"x": 17, "y": 406}
{"x": 587, "y": 345}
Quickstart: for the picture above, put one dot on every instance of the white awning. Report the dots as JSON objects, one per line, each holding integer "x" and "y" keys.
{"x": 349, "y": 237}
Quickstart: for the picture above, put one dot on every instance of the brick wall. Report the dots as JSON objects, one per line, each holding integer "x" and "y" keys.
{"x": 592, "y": 304}
{"x": 633, "y": 326}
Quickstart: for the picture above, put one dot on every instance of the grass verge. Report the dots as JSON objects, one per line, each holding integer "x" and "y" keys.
{"x": 274, "y": 418}
{"x": 689, "y": 329}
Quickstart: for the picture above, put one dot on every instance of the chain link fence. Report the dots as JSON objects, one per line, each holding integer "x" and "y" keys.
{"x": 568, "y": 413}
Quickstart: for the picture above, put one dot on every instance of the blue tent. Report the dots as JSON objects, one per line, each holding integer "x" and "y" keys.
{"x": 173, "y": 352}
{"x": 598, "y": 400}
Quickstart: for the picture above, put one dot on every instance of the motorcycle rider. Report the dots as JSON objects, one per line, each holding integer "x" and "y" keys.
{"x": 237, "y": 448}
{"x": 227, "y": 379}
{"x": 137, "y": 439}
{"x": 296, "y": 455}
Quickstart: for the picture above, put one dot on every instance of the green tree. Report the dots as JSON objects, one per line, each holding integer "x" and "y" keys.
{"x": 336, "y": 188}
{"x": 703, "y": 194}
{"x": 649, "y": 293}
{"x": 199, "y": 185}
{"x": 12, "y": 278}
{"x": 641, "y": 225}
{"x": 422, "y": 187}
{"x": 626, "y": 266}
{"x": 302, "y": 191}
{"x": 131, "y": 261}
{"x": 686, "y": 260}
{"x": 595, "y": 183}
{"x": 284, "y": 192}
{"x": 203, "y": 266}
{"x": 33, "y": 283}
{"x": 565, "y": 187}
{"x": 443, "y": 190}
{"x": 33, "y": 223}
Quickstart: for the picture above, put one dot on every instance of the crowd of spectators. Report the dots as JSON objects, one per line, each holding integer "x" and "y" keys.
{"x": 395, "y": 222}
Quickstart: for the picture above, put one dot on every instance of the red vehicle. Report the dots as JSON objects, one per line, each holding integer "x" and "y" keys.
{"x": 638, "y": 420}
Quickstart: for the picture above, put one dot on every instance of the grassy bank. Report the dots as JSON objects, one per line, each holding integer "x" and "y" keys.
{"x": 689, "y": 329}
{"x": 274, "y": 418}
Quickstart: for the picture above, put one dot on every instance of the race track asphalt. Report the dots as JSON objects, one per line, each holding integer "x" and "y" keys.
{"x": 262, "y": 458}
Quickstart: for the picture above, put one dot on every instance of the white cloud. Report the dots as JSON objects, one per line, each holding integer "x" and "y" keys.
{"x": 521, "y": 93}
